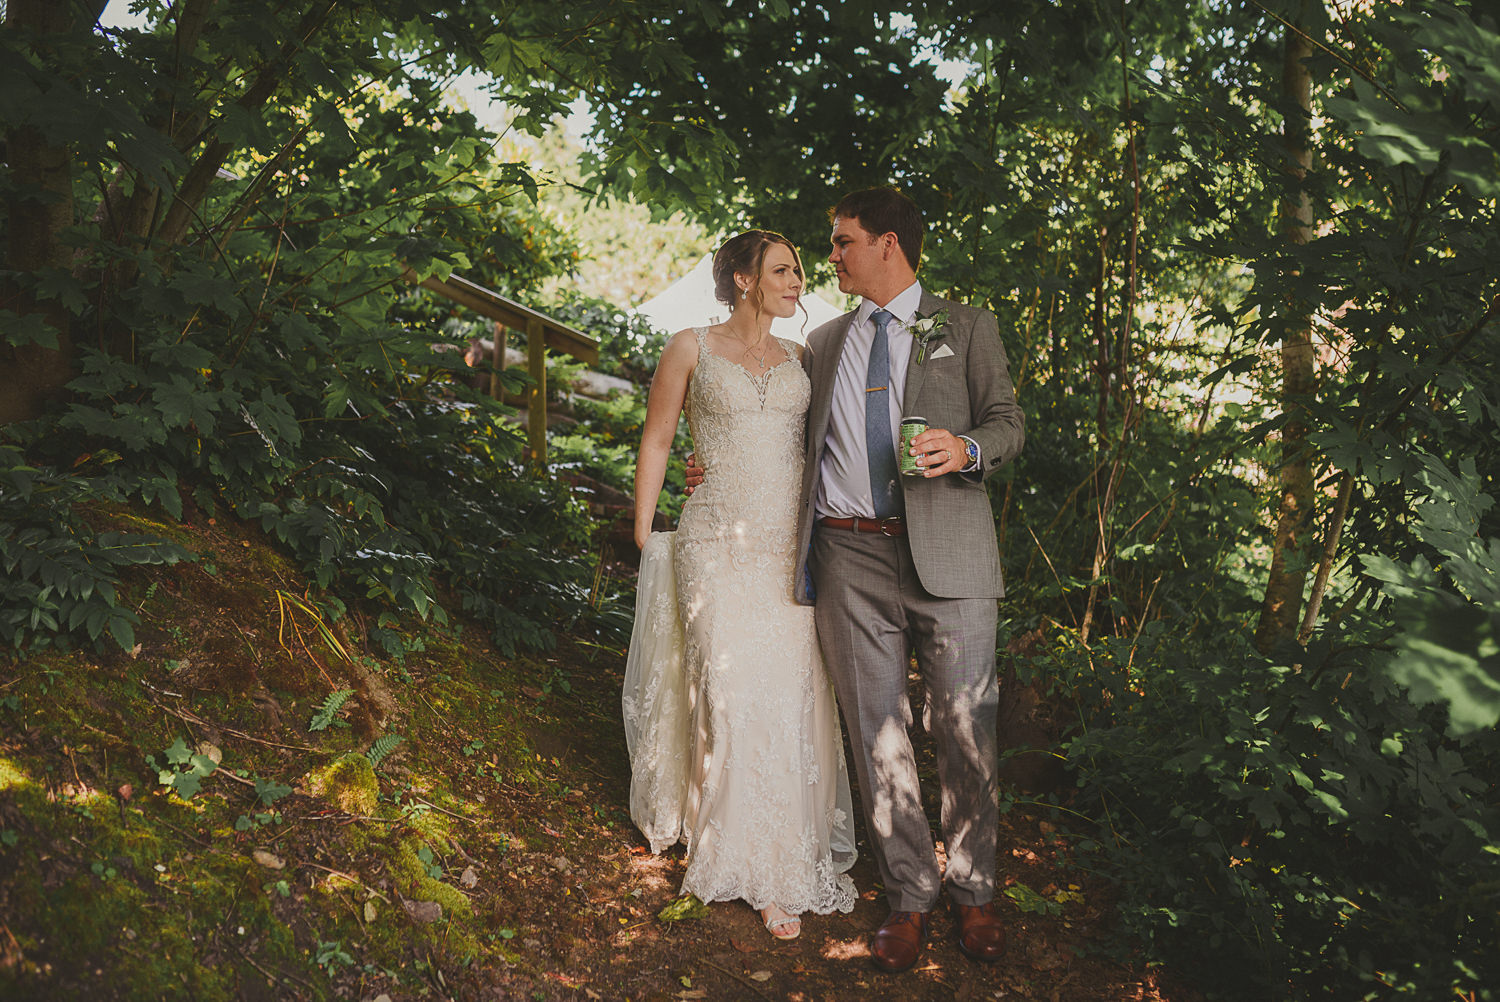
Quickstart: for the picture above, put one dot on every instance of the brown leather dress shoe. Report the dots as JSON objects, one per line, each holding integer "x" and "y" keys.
{"x": 980, "y": 934}
{"x": 898, "y": 942}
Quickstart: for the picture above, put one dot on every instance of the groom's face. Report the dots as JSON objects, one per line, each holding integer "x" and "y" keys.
{"x": 857, "y": 256}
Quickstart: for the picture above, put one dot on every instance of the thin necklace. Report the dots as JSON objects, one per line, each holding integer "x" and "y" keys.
{"x": 760, "y": 360}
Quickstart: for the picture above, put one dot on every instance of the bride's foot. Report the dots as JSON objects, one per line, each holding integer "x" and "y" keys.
{"x": 781, "y": 923}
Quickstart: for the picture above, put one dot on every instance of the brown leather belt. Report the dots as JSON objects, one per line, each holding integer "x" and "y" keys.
{"x": 884, "y": 526}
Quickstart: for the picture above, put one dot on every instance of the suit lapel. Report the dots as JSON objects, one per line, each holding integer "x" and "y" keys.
{"x": 825, "y": 370}
{"x": 915, "y": 374}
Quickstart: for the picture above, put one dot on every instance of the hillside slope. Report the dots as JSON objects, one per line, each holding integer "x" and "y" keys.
{"x": 260, "y": 803}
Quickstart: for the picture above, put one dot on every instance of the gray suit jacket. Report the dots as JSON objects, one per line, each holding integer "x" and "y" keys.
{"x": 950, "y": 525}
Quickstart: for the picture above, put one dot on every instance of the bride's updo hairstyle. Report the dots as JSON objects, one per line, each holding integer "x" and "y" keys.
{"x": 745, "y": 254}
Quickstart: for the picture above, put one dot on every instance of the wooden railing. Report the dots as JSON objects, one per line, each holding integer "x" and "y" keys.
{"x": 542, "y": 332}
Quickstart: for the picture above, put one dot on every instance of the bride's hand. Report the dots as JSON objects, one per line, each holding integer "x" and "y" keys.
{"x": 692, "y": 473}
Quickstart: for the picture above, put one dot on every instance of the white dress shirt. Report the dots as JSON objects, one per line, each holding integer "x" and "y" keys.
{"x": 844, "y": 487}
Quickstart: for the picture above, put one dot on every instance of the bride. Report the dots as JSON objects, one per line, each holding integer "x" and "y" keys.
{"x": 730, "y": 719}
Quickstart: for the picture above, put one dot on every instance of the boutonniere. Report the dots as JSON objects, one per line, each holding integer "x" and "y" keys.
{"x": 927, "y": 330}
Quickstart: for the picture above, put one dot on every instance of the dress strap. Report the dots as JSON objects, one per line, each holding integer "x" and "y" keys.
{"x": 703, "y": 351}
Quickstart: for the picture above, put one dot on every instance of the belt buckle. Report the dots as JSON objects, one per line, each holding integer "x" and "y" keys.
{"x": 887, "y": 527}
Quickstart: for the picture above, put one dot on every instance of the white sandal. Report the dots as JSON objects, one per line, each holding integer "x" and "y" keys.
{"x": 781, "y": 920}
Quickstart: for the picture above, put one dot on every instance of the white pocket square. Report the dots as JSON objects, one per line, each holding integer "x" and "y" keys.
{"x": 942, "y": 351}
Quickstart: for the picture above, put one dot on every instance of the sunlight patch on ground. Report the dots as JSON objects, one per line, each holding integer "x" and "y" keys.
{"x": 654, "y": 873}
{"x": 81, "y": 794}
{"x": 845, "y": 949}
{"x": 11, "y": 775}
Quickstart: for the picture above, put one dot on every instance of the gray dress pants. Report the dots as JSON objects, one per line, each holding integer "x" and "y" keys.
{"x": 872, "y": 613}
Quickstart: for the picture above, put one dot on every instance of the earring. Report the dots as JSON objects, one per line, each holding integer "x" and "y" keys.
{"x": 744, "y": 293}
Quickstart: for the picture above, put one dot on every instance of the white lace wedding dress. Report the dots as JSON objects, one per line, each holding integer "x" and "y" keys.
{"x": 730, "y": 718}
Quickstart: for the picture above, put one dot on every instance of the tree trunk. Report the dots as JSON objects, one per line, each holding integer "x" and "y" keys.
{"x": 1104, "y": 369}
{"x": 194, "y": 185}
{"x": 1282, "y": 605}
{"x": 132, "y": 217}
{"x": 40, "y": 208}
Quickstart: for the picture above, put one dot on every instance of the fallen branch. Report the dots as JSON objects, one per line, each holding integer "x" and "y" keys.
{"x": 194, "y": 719}
{"x": 219, "y": 771}
{"x": 742, "y": 980}
{"x": 349, "y": 877}
{"x": 441, "y": 810}
{"x": 282, "y": 978}
{"x": 339, "y": 817}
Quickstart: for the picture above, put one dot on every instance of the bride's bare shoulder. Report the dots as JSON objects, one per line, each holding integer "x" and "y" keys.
{"x": 681, "y": 349}
{"x": 687, "y": 336}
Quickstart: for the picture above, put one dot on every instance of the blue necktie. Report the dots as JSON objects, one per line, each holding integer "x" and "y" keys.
{"x": 879, "y": 445}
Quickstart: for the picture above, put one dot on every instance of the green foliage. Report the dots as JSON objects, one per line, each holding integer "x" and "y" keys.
{"x": 383, "y": 509}
{"x": 1186, "y": 516}
{"x": 250, "y": 346}
{"x": 628, "y": 251}
{"x": 1290, "y": 831}
{"x": 1447, "y": 606}
{"x": 557, "y": 679}
{"x": 1400, "y": 121}
{"x": 328, "y": 713}
{"x": 426, "y": 857}
{"x": 383, "y": 746}
{"x": 603, "y": 442}
{"x": 1027, "y": 900}
{"x": 628, "y": 345}
{"x": 682, "y": 909}
{"x": 268, "y": 791}
{"x": 331, "y": 954}
{"x": 57, "y": 574}
{"x": 182, "y": 770}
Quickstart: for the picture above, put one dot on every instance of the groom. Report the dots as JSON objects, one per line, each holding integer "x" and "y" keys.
{"x": 903, "y": 564}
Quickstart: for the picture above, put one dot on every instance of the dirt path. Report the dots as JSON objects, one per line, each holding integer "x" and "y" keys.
{"x": 728, "y": 955}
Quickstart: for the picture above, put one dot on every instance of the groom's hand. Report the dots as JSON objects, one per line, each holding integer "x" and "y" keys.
{"x": 693, "y": 473}
{"x": 939, "y": 451}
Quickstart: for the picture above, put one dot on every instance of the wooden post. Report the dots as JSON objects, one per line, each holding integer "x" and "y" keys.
{"x": 541, "y": 332}
{"x": 497, "y": 359}
{"x": 536, "y": 396}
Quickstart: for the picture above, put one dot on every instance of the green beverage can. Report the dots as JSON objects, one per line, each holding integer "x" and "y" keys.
{"x": 911, "y": 427}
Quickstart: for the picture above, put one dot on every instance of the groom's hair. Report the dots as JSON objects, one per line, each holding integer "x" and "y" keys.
{"x": 885, "y": 210}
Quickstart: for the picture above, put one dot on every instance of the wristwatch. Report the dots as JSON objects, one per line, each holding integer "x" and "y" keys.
{"x": 971, "y": 451}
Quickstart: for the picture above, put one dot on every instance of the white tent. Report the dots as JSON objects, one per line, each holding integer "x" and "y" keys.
{"x": 690, "y": 302}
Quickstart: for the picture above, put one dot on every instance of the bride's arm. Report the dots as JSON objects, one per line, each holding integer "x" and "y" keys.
{"x": 668, "y": 390}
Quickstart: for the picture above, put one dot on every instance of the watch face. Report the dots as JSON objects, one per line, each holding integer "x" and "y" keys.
{"x": 971, "y": 449}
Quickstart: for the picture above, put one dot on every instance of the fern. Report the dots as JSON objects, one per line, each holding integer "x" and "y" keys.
{"x": 327, "y": 713}
{"x": 382, "y": 747}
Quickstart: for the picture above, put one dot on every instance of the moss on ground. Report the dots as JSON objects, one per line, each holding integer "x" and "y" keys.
{"x": 347, "y": 783}
{"x": 116, "y": 887}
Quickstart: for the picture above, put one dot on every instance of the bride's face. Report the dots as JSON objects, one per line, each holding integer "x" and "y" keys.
{"x": 780, "y": 282}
